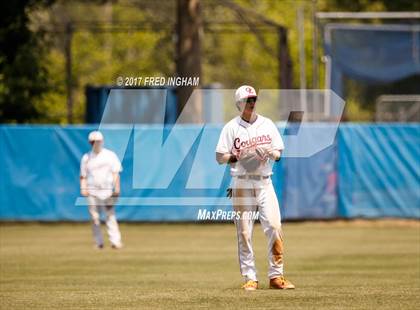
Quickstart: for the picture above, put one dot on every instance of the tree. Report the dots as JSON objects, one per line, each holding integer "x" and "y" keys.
{"x": 23, "y": 75}
{"x": 188, "y": 59}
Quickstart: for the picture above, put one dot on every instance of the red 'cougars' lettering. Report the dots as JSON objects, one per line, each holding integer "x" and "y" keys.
{"x": 238, "y": 144}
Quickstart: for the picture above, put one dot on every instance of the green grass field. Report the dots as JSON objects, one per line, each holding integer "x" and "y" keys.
{"x": 336, "y": 265}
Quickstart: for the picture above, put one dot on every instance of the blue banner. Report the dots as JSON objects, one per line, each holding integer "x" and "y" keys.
{"x": 379, "y": 171}
{"x": 370, "y": 171}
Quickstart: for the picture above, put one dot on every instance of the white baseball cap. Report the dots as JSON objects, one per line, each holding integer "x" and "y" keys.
{"x": 95, "y": 136}
{"x": 245, "y": 92}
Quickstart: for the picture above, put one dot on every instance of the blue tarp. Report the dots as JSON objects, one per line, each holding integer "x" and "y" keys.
{"x": 372, "y": 53}
{"x": 379, "y": 171}
{"x": 370, "y": 171}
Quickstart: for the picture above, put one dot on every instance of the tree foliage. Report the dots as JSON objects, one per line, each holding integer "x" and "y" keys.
{"x": 23, "y": 73}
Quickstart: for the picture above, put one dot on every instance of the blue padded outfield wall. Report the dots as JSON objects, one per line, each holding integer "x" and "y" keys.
{"x": 379, "y": 171}
{"x": 371, "y": 171}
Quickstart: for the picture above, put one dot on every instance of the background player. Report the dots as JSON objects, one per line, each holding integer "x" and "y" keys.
{"x": 248, "y": 143}
{"x": 100, "y": 183}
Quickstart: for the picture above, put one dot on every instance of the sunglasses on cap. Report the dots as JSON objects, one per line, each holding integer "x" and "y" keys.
{"x": 250, "y": 100}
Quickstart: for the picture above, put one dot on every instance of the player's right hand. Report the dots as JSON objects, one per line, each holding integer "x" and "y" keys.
{"x": 84, "y": 192}
{"x": 233, "y": 159}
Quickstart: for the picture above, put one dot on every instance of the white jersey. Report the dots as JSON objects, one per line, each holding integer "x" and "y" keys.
{"x": 238, "y": 135}
{"x": 98, "y": 169}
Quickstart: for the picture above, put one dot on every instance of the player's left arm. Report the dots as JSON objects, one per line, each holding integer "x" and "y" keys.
{"x": 274, "y": 154}
{"x": 277, "y": 144}
{"x": 116, "y": 169}
{"x": 117, "y": 186}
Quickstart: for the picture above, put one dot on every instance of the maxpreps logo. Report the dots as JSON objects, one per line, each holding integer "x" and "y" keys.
{"x": 253, "y": 142}
{"x": 159, "y": 155}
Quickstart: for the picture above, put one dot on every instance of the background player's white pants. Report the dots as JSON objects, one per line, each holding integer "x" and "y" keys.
{"x": 96, "y": 206}
{"x": 253, "y": 195}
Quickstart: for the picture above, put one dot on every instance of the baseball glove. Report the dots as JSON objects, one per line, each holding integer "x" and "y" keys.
{"x": 252, "y": 159}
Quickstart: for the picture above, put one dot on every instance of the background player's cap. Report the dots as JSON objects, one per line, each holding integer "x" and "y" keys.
{"x": 96, "y": 136}
{"x": 245, "y": 92}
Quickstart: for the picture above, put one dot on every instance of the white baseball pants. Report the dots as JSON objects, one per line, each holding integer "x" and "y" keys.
{"x": 253, "y": 195}
{"x": 96, "y": 206}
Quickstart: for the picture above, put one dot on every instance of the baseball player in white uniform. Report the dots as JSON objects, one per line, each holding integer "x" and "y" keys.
{"x": 100, "y": 183}
{"x": 249, "y": 143}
